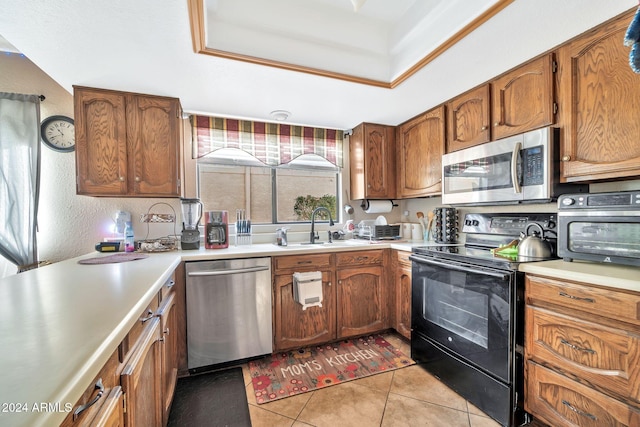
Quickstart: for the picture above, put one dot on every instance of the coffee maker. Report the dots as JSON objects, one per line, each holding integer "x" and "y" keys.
{"x": 191, "y": 214}
{"x": 216, "y": 229}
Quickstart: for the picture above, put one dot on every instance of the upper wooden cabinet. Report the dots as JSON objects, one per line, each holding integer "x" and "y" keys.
{"x": 599, "y": 105}
{"x": 420, "y": 146}
{"x": 127, "y": 144}
{"x": 523, "y": 98}
{"x": 468, "y": 120}
{"x": 371, "y": 153}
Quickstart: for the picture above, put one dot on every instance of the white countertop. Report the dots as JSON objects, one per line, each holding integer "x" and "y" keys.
{"x": 60, "y": 323}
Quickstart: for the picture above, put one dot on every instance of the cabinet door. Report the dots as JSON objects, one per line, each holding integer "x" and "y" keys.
{"x": 371, "y": 149}
{"x": 141, "y": 379}
{"x": 295, "y": 327}
{"x": 154, "y": 145}
{"x": 522, "y": 99}
{"x": 169, "y": 350}
{"x": 101, "y": 142}
{"x": 403, "y": 295}
{"x": 112, "y": 412}
{"x": 419, "y": 157}
{"x": 601, "y": 127}
{"x": 468, "y": 121}
{"x": 361, "y": 301}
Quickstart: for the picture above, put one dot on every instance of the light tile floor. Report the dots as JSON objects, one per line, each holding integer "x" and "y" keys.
{"x": 405, "y": 397}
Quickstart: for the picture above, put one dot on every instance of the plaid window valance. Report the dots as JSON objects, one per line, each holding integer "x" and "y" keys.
{"x": 272, "y": 143}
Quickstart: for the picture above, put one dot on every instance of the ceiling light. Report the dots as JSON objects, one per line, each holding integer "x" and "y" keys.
{"x": 280, "y": 115}
{"x": 357, "y": 4}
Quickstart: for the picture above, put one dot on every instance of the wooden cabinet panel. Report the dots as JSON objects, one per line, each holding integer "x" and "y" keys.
{"x": 112, "y": 413}
{"x": 372, "y": 163}
{"x": 468, "y": 120}
{"x": 298, "y": 262}
{"x": 352, "y": 258}
{"x": 560, "y": 402}
{"x": 101, "y": 142}
{"x": 599, "y": 92}
{"x": 610, "y": 303}
{"x": 402, "y": 287}
{"x": 361, "y": 301}
{"x": 295, "y": 327}
{"x": 522, "y": 99}
{"x": 607, "y": 358}
{"x": 127, "y": 144}
{"x": 420, "y": 146}
{"x": 141, "y": 380}
{"x": 169, "y": 352}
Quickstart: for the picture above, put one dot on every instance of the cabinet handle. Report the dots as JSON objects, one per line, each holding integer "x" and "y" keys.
{"x": 150, "y": 316}
{"x": 171, "y": 283}
{"x": 362, "y": 258}
{"x": 121, "y": 179}
{"x": 80, "y": 409}
{"x": 496, "y": 124}
{"x": 566, "y": 158}
{"x": 137, "y": 179}
{"x": 575, "y": 347}
{"x": 566, "y": 295}
{"x": 483, "y": 128}
{"x": 305, "y": 262}
{"x": 166, "y": 332}
{"x": 578, "y": 411}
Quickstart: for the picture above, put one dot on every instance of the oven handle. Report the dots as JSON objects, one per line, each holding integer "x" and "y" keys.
{"x": 463, "y": 268}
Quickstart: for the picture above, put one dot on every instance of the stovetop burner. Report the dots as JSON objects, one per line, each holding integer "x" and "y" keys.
{"x": 488, "y": 231}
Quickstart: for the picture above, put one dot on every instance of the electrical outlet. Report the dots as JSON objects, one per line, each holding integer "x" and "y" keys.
{"x": 121, "y": 220}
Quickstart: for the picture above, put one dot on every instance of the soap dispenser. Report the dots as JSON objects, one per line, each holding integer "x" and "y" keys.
{"x": 281, "y": 236}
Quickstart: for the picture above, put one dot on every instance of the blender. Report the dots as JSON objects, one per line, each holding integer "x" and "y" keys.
{"x": 191, "y": 214}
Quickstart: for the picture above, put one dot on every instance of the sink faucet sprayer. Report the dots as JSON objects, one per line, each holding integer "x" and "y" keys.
{"x": 314, "y": 235}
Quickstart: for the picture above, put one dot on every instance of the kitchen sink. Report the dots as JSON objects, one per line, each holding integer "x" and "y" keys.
{"x": 325, "y": 245}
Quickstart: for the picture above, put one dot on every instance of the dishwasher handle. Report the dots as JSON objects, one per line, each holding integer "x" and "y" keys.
{"x": 227, "y": 272}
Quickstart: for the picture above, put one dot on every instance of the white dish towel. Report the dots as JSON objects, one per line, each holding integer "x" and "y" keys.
{"x": 307, "y": 289}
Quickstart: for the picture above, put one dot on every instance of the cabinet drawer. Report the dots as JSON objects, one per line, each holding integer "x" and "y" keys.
{"x": 167, "y": 288}
{"x": 129, "y": 341}
{"x": 302, "y": 262}
{"x": 613, "y": 304}
{"x": 559, "y": 401}
{"x": 403, "y": 257}
{"x": 360, "y": 258}
{"x": 603, "y": 356}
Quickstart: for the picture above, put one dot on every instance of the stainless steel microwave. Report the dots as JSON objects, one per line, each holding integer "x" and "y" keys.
{"x": 517, "y": 169}
{"x": 602, "y": 227}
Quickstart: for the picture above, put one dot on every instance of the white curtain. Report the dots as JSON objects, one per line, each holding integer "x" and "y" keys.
{"x": 19, "y": 176}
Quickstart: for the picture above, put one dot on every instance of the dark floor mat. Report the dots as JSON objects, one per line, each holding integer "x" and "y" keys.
{"x": 213, "y": 399}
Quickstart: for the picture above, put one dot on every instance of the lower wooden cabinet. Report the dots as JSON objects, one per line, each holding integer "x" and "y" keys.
{"x": 141, "y": 380}
{"x": 401, "y": 268}
{"x": 112, "y": 412}
{"x": 295, "y": 327}
{"x": 169, "y": 352}
{"x": 355, "y": 298}
{"x": 582, "y": 351}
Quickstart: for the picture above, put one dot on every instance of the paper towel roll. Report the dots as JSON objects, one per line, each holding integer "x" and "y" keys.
{"x": 377, "y": 206}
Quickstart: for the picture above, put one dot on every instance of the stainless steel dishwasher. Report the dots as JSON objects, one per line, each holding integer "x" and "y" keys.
{"x": 228, "y": 311}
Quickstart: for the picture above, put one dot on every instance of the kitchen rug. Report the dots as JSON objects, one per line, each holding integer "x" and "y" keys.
{"x": 212, "y": 399}
{"x": 289, "y": 373}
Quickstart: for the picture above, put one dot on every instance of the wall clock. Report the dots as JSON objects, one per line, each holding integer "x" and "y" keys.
{"x": 58, "y": 133}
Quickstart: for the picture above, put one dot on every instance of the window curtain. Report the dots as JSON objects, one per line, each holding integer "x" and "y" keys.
{"x": 272, "y": 143}
{"x": 19, "y": 176}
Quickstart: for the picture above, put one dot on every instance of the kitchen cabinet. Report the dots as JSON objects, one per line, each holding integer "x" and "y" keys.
{"x": 582, "y": 351}
{"x": 102, "y": 401}
{"x": 294, "y": 327}
{"x": 468, "y": 119}
{"x": 127, "y": 145}
{"x": 141, "y": 379}
{"x": 599, "y": 105}
{"x": 169, "y": 352}
{"x": 523, "y": 98}
{"x": 361, "y": 293}
{"x": 372, "y": 163}
{"x": 401, "y": 268}
{"x": 420, "y": 146}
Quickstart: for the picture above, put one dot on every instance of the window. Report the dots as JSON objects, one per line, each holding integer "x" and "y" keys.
{"x": 230, "y": 179}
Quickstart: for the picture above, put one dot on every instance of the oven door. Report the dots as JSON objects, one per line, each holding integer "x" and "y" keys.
{"x": 468, "y": 310}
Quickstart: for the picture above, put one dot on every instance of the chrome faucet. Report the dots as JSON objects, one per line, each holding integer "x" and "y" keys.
{"x": 314, "y": 235}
